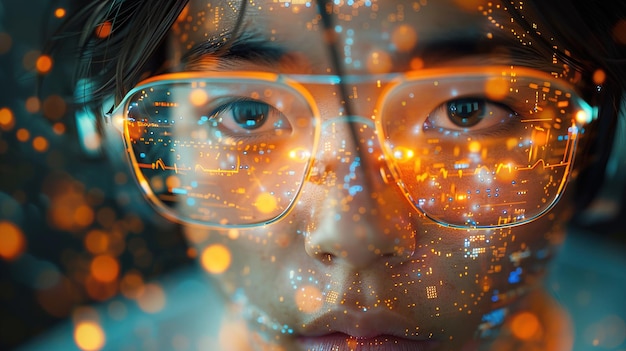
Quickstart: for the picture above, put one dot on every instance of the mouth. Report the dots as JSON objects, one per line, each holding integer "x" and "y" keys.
{"x": 345, "y": 342}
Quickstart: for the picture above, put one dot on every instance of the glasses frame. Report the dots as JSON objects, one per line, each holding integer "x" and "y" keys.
{"x": 115, "y": 120}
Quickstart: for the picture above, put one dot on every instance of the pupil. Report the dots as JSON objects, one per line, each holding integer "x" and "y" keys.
{"x": 466, "y": 112}
{"x": 250, "y": 114}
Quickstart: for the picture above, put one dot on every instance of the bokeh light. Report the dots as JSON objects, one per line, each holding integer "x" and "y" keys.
{"x": 103, "y": 30}
{"x": 216, "y": 258}
{"x": 151, "y": 299}
{"x": 89, "y": 336}
{"x": 7, "y": 120}
{"x": 12, "y": 241}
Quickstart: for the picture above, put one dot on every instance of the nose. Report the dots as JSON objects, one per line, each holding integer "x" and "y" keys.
{"x": 358, "y": 215}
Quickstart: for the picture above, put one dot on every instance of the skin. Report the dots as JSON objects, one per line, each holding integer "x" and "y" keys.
{"x": 366, "y": 266}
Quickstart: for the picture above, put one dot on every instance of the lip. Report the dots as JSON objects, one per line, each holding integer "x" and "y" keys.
{"x": 344, "y": 342}
{"x": 362, "y": 330}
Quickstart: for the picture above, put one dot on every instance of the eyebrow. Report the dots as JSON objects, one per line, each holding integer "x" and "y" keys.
{"x": 250, "y": 45}
{"x": 247, "y": 45}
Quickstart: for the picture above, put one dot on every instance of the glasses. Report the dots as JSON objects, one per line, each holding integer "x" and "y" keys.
{"x": 472, "y": 147}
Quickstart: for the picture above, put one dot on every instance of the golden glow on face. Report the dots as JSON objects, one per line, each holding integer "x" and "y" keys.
{"x": 354, "y": 191}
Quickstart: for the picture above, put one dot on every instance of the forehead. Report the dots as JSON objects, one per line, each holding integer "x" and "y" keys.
{"x": 374, "y": 36}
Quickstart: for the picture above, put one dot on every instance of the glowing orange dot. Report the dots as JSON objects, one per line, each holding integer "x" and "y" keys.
{"x": 40, "y": 144}
{"x": 496, "y": 88}
{"x": 198, "y": 97}
{"x": 7, "y": 121}
{"x": 103, "y": 30}
{"x": 474, "y": 146}
{"x": 59, "y": 13}
{"x": 105, "y": 268}
{"x": 58, "y": 128}
{"x": 172, "y": 182}
{"x": 22, "y": 134}
{"x": 44, "y": 64}
{"x": 89, "y": 336}
{"x": 266, "y": 203}
{"x": 12, "y": 242}
{"x": 83, "y": 215}
{"x": 599, "y": 76}
{"x": 525, "y": 325}
{"x": 152, "y": 298}
{"x": 216, "y": 258}
{"x": 33, "y": 104}
{"x": 416, "y": 63}
{"x": 97, "y": 241}
{"x": 404, "y": 37}
{"x": 309, "y": 299}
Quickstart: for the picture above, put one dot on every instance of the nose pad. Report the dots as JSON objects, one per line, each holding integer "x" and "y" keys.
{"x": 358, "y": 215}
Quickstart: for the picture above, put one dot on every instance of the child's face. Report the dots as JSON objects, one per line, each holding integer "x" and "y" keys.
{"x": 356, "y": 260}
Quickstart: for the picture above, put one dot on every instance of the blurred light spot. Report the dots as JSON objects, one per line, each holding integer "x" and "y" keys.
{"x": 152, "y": 298}
{"x": 496, "y": 88}
{"x": 40, "y": 144}
{"x": 404, "y": 37}
{"x": 216, "y": 258}
{"x": 105, "y": 268}
{"x": 583, "y": 117}
{"x": 83, "y": 216}
{"x": 378, "y": 62}
{"x": 619, "y": 32}
{"x": 59, "y": 13}
{"x": 198, "y": 97}
{"x": 474, "y": 146}
{"x": 58, "y": 128}
{"x": 12, "y": 241}
{"x": 97, "y": 241}
{"x": 233, "y": 233}
{"x": 89, "y": 336}
{"x": 266, "y": 203}
{"x": 5, "y": 42}
{"x": 309, "y": 299}
{"x": 416, "y": 63}
{"x": 132, "y": 285}
{"x": 33, "y": 104}
{"x": 599, "y": 76}
{"x": 22, "y": 134}
{"x": 172, "y": 182}
{"x": 103, "y": 30}
{"x": 44, "y": 64}
{"x": 525, "y": 325}
{"x": 54, "y": 107}
{"x": 7, "y": 121}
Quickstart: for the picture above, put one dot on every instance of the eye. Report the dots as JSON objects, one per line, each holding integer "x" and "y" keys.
{"x": 243, "y": 117}
{"x": 468, "y": 114}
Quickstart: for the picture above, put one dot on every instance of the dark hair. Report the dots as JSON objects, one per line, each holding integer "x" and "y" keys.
{"x": 587, "y": 28}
